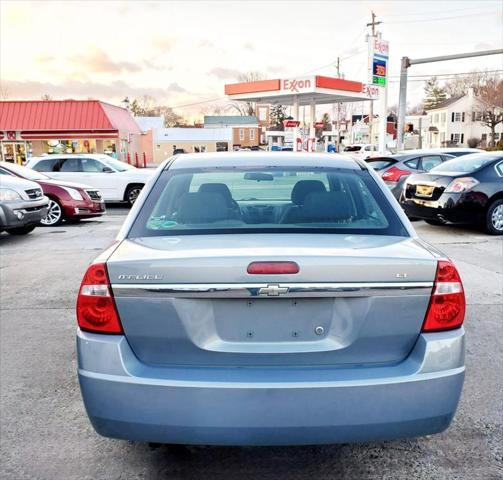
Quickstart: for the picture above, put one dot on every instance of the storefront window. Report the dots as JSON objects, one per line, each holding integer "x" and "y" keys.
{"x": 70, "y": 146}
{"x": 109, "y": 148}
{"x": 16, "y": 152}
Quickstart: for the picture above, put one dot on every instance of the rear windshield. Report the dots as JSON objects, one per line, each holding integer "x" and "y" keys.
{"x": 353, "y": 148}
{"x": 378, "y": 163}
{"x": 466, "y": 163}
{"x": 201, "y": 201}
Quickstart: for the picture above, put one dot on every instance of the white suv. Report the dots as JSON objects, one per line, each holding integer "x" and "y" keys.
{"x": 362, "y": 151}
{"x": 117, "y": 181}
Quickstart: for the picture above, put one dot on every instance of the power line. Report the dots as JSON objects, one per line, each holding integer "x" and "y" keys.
{"x": 426, "y": 15}
{"x": 449, "y": 74}
{"x": 199, "y": 103}
{"x": 439, "y": 19}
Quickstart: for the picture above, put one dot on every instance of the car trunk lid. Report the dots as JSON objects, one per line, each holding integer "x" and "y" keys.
{"x": 189, "y": 300}
{"x": 426, "y": 186}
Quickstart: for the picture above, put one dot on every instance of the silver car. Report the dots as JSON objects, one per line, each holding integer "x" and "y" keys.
{"x": 271, "y": 299}
{"x": 22, "y": 204}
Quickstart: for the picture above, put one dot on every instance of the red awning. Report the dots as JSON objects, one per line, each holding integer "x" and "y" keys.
{"x": 65, "y": 119}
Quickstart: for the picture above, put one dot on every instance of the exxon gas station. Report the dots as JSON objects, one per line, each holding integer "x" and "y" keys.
{"x": 317, "y": 90}
{"x": 303, "y": 91}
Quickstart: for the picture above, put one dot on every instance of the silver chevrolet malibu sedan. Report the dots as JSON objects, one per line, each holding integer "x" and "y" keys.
{"x": 269, "y": 299}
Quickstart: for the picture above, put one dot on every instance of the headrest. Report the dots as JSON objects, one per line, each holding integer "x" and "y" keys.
{"x": 202, "y": 207}
{"x": 219, "y": 188}
{"x": 303, "y": 188}
{"x": 327, "y": 207}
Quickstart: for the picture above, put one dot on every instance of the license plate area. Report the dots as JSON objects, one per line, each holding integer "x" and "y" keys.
{"x": 273, "y": 320}
{"x": 425, "y": 191}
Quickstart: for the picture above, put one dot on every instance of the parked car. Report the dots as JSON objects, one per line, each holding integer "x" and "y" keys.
{"x": 394, "y": 169}
{"x": 242, "y": 307}
{"x": 362, "y": 151}
{"x": 454, "y": 151}
{"x": 468, "y": 189}
{"x": 67, "y": 201}
{"x": 117, "y": 181}
{"x": 22, "y": 205}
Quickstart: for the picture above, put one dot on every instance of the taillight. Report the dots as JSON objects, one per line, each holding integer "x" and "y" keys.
{"x": 394, "y": 174}
{"x": 460, "y": 185}
{"x": 447, "y": 303}
{"x": 272, "y": 268}
{"x": 96, "y": 311}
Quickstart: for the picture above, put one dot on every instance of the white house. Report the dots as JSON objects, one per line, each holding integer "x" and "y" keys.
{"x": 455, "y": 120}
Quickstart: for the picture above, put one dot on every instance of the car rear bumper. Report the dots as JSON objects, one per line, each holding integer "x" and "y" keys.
{"x": 127, "y": 399}
{"x": 15, "y": 214}
{"x": 453, "y": 207}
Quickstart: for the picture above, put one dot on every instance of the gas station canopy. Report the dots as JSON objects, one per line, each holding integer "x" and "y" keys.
{"x": 310, "y": 90}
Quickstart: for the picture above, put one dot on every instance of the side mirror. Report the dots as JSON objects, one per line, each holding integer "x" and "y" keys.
{"x": 108, "y": 170}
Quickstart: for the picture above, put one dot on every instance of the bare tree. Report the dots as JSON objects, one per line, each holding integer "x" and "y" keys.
{"x": 215, "y": 109}
{"x": 147, "y": 106}
{"x": 417, "y": 109}
{"x": 46, "y": 97}
{"x": 4, "y": 92}
{"x": 489, "y": 105}
{"x": 247, "y": 108}
{"x": 462, "y": 83}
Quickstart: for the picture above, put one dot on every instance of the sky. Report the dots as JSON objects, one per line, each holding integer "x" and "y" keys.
{"x": 182, "y": 53}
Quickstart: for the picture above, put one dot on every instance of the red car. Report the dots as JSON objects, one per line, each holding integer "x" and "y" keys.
{"x": 67, "y": 201}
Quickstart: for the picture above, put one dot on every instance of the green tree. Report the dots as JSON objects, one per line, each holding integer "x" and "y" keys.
{"x": 276, "y": 116}
{"x": 435, "y": 94}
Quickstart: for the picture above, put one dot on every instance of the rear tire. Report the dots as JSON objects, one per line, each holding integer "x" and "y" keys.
{"x": 132, "y": 193}
{"x": 21, "y": 230}
{"x": 437, "y": 223}
{"x": 494, "y": 218}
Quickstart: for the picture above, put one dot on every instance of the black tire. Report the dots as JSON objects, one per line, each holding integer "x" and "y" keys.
{"x": 494, "y": 218}
{"x": 55, "y": 214}
{"x": 132, "y": 193}
{"x": 21, "y": 230}
{"x": 437, "y": 223}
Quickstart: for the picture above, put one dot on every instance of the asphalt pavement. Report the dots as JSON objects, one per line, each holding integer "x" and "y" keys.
{"x": 45, "y": 433}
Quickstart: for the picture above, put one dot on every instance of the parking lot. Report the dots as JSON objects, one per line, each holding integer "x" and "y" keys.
{"x": 46, "y": 434}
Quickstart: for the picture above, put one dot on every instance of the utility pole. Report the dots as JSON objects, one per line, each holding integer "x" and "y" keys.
{"x": 406, "y": 63}
{"x": 373, "y": 25}
{"x": 338, "y": 146}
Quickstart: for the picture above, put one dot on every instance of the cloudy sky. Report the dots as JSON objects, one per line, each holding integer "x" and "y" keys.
{"x": 182, "y": 53}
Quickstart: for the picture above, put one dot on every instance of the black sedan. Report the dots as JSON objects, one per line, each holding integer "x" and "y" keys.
{"x": 467, "y": 189}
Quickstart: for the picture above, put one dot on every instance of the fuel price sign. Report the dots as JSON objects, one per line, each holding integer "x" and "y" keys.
{"x": 379, "y": 71}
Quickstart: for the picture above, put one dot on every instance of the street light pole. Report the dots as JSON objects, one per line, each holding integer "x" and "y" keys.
{"x": 406, "y": 63}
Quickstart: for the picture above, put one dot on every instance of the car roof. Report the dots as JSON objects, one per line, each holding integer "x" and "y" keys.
{"x": 69, "y": 155}
{"x": 264, "y": 159}
{"x": 440, "y": 150}
{"x": 406, "y": 156}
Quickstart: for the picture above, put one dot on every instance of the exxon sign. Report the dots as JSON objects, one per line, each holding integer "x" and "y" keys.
{"x": 298, "y": 85}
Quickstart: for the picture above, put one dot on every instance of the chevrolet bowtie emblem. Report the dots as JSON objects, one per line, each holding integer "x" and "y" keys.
{"x": 273, "y": 290}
